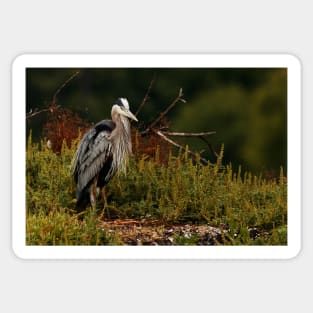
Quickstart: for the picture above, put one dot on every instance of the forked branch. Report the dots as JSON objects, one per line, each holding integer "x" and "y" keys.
{"x": 162, "y": 114}
{"x": 32, "y": 113}
{"x": 146, "y": 97}
{"x": 157, "y": 127}
{"x": 193, "y": 154}
{"x": 201, "y": 136}
{"x": 53, "y": 107}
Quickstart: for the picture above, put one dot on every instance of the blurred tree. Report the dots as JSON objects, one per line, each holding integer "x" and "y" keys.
{"x": 265, "y": 148}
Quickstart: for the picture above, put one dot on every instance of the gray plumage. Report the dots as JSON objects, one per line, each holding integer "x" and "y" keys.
{"x": 102, "y": 151}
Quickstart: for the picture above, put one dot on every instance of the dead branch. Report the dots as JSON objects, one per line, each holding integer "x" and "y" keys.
{"x": 32, "y": 113}
{"x": 162, "y": 114}
{"x": 62, "y": 86}
{"x": 160, "y": 130}
{"x": 146, "y": 97}
{"x": 193, "y": 154}
{"x": 53, "y": 107}
{"x": 189, "y": 134}
{"x": 209, "y": 146}
{"x": 201, "y": 136}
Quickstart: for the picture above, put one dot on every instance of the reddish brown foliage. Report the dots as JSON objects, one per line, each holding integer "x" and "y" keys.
{"x": 151, "y": 145}
{"x": 62, "y": 125}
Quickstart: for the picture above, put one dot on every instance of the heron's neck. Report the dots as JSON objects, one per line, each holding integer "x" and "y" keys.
{"x": 121, "y": 138}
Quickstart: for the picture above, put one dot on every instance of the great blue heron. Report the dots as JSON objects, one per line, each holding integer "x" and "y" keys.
{"x": 101, "y": 152}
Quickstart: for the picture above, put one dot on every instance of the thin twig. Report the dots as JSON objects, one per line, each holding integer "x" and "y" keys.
{"x": 62, "y": 86}
{"x": 162, "y": 114}
{"x": 31, "y": 114}
{"x": 198, "y": 135}
{"x": 204, "y": 161}
{"x": 146, "y": 97}
{"x": 210, "y": 146}
{"x": 189, "y": 134}
{"x": 53, "y": 106}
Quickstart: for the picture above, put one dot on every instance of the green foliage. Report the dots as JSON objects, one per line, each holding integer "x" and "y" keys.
{"x": 181, "y": 192}
{"x": 59, "y": 227}
{"x": 49, "y": 177}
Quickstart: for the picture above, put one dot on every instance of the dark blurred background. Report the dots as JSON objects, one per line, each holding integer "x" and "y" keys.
{"x": 247, "y": 107}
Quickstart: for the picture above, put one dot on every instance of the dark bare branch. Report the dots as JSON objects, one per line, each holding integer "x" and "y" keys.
{"x": 146, "y": 97}
{"x": 201, "y": 136}
{"x": 209, "y": 146}
{"x": 160, "y": 130}
{"x": 162, "y": 114}
{"x": 53, "y": 104}
{"x": 62, "y": 86}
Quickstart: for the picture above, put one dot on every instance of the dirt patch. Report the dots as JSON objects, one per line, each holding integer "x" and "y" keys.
{"x": 143, "y": 232}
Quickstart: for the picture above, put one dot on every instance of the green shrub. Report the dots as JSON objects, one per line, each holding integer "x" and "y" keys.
{"x": 183, "y": 191}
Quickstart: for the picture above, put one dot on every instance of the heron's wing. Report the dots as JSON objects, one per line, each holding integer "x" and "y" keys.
{"x": 81, "y": 150}
{"x": 94, "y": 150}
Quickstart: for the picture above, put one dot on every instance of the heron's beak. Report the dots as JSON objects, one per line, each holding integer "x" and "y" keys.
{"x": 129, "y": 114}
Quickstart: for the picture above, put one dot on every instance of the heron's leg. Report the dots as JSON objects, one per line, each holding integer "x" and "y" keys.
{"x": 93, "y": 195}
{"x": 105, "y": 202}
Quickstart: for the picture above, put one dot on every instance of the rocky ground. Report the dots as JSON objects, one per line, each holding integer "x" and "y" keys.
{"x": 147, "y": 232}
{"x": 143, "y": 232}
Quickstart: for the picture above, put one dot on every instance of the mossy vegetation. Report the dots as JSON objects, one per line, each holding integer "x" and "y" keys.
{"x": 252, "y": 209}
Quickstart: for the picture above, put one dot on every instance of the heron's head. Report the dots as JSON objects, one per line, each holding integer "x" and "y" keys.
{"x": 121, "y": 106}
